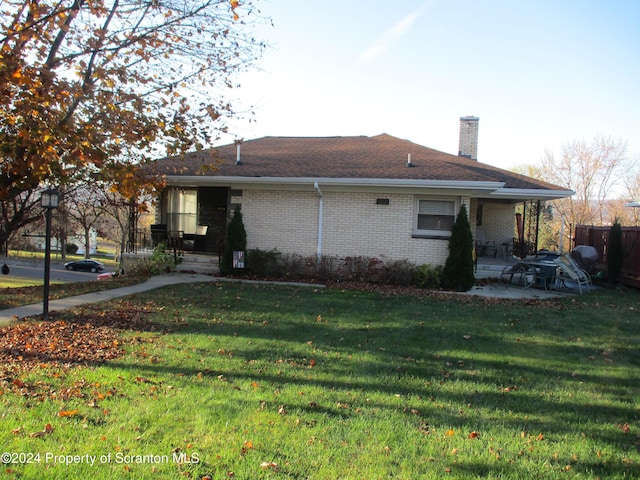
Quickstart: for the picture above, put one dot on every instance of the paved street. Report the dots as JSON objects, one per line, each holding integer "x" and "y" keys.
{"x": 35, "y": 269}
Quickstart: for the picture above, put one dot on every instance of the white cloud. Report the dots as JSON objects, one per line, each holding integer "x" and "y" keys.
{"x": 391, "y": 36}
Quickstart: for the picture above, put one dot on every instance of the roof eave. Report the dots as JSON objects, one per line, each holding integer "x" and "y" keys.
{"x": 530, "y": 194}
{"x": 192, "y": 180}
{"x": 485, "y": 189}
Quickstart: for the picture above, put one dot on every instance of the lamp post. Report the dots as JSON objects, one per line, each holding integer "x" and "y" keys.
{"x": 49, "y": 201}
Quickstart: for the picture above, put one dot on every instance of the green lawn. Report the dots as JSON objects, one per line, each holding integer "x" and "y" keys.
{"x": 245, "y": 381}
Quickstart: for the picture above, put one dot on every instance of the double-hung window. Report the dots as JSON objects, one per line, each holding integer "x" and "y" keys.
{"x": 434, "y": 217}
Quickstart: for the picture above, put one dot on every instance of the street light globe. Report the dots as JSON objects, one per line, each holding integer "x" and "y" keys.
{"x": 50, "y": 198}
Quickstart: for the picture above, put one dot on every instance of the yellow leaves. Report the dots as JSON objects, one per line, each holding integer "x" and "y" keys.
{"x": 248, "y": 445}
{"x": 234, "y": 4}
{"x": 68, "y": 413}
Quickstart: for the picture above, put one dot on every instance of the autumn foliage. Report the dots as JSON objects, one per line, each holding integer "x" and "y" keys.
{"x": 88, "y": 86}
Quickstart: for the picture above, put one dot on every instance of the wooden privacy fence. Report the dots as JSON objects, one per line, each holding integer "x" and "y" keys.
{"x": 598, "y": 237}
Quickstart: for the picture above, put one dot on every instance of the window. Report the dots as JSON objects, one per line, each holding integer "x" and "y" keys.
{"x": 182, "y": 208}
{"x": 434, "y": 217}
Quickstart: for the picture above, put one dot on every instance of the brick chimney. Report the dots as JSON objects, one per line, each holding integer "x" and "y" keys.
{"x": 468, "y": 145}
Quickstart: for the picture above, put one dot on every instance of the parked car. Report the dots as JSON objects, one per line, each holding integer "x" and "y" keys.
{"x": 85, "y": 265}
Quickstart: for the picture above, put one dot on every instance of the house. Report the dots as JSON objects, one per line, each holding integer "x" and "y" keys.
{"x": 377, "y": 196}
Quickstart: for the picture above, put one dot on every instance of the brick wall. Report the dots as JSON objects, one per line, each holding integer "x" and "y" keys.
{"x": 499, "y": 222}
{"x": 286, "y": 220}
{"x": 354, "y": 224}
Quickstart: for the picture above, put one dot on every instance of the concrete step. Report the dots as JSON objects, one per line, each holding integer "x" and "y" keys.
{"x": 207, "y": 264}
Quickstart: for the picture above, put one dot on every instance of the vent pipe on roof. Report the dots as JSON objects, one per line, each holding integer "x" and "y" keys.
{"x": 238, "y": 143}
{"x": 409, "y": 164}
{"x": 468, "y": 144}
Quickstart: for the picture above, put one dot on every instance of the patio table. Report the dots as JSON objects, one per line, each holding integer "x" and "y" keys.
{"x": 531, "y": 272}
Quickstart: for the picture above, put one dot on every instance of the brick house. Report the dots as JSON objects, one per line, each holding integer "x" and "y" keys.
{"x": 377, "y": 196}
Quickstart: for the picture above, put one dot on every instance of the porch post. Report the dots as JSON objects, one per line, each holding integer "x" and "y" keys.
{"x": 523, "y": 243}
{"x": 537, "y": 224}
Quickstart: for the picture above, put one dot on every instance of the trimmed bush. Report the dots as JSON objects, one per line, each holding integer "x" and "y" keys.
{"x": 457, "y": 274}
{"x": 360, "y": 269}
{"x": 396, "y": 272}
{"x": 236, "y": 241}
{"x": 294, "y": 266}
{"x": 615, "y": 253}
{"x": 427, "y": 276}
{"x": 265, "y": 263}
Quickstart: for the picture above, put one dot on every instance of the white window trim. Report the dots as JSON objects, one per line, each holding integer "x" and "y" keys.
{"x": 433, "y": 233}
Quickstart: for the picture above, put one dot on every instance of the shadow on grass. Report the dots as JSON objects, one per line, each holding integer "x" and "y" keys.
{"x": 568, "y": 367}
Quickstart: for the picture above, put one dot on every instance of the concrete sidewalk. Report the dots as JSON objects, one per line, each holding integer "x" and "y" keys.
{"x": 15, "y": 314}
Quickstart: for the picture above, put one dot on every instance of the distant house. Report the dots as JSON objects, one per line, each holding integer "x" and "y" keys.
{"x": 375, "y": 196}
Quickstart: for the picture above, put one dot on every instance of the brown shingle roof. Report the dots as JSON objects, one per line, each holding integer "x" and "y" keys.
{"x": 379, "y": 157}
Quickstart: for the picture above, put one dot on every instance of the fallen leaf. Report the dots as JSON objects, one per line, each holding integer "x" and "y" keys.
{"x": 47, "y": 429}
{"x": 624, "y": 427}
{"x": 68, "y": 413}
{"x": 272, "y": 465}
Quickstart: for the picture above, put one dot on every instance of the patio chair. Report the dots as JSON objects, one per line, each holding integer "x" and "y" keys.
{"x": 570, "y": 271}
{"x": 523, "y": 276}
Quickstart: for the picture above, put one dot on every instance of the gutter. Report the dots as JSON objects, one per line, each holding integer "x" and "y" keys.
{"x": 531, "y": 194}
{"x": 476, "y": 189}
{"x": 188, "y": 180}
{"x": 320, "y": 218}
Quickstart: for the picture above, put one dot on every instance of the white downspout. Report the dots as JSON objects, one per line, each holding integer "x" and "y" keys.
{"x": 320, "y": 219}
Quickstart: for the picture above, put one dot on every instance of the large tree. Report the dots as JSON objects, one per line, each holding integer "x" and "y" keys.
{"x": 594, "y": 170}
{"x": 89, "y": 85}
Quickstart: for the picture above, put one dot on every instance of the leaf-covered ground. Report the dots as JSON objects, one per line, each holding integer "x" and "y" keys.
{"x": 92, "y": 337}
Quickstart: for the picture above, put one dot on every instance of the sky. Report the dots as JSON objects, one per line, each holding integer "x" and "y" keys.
{"x": 538, "y": 74}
